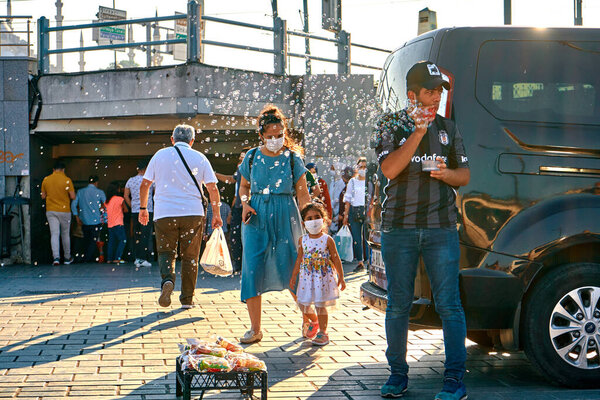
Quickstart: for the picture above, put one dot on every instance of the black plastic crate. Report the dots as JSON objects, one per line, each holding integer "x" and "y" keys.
{"x": 189, "y": 381}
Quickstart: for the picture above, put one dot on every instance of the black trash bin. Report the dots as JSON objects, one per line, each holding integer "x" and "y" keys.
{"x": 6, "y": 205}
{"x": 5, "y": 235}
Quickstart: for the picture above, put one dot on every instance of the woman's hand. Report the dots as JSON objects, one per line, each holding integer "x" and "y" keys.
{"x": 247, "y": 211}
{"x": 341, "y": 283}
{"x": 345, "y": 222}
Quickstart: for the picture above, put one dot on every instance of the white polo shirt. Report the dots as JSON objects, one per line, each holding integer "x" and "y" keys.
{"x": 175, "y": 194}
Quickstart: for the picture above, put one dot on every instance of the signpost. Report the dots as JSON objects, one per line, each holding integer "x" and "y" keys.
{"x": 180, "y": 50}
{"x": 110, "y": 34}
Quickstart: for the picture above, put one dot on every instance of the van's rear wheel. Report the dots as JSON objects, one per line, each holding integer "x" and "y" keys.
{"x": 561, "y": 325}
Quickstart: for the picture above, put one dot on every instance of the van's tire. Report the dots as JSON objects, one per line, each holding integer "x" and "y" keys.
{"x": 550, "y": 298}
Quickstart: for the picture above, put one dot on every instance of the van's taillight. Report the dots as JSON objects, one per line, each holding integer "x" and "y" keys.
{"x": 448, "y": 110}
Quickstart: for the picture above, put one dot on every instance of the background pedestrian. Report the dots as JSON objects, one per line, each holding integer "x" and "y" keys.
{"x": 115, "y": 207}
{"x": 58, "y": 191}
{"x": 88, "y": 207}
{"x": 142, "y": 234}
{"x": 323, "y": 189}
{"x": 355, "y": 201}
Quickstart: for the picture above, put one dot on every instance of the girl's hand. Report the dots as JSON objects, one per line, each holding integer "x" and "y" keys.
{"x": 293, "y": 281}
{"x": 247, "y": 211}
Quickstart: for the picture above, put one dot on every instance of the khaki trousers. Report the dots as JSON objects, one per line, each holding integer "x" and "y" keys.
{"x": 187, "y": 231}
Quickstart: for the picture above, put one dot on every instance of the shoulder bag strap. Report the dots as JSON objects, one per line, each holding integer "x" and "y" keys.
{"x": 185, "y": 164}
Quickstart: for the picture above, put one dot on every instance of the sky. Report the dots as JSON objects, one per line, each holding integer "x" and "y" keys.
{"x": 381, "y": 23}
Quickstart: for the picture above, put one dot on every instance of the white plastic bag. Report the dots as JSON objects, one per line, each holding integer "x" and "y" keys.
{"x": 343, "y": 243}
{"x": 216, "y": 259}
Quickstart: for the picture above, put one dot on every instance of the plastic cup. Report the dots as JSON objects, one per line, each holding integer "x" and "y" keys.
{"x": 429, "y": 165}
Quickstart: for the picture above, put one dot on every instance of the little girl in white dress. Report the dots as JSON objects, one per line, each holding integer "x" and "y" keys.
{"x": 318, "y": 270}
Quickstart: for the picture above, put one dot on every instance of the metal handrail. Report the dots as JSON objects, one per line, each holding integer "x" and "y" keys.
{"x": 314, "y": 58}
{"x": 237, "y": 23}
{"x": 371, "y": 48}
{"x": 309, "y": 36}
{"x": 28, "y": 32}
{"x": 193, "y": 41}
{"x": 117, "y": 46}
{"x": 238, "y": 46}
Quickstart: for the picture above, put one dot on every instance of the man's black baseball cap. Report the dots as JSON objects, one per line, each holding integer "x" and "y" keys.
{"x": 427, "y": 75}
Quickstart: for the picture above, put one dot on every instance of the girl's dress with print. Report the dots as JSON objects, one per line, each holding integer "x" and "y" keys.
{"x": 317, "y": 283}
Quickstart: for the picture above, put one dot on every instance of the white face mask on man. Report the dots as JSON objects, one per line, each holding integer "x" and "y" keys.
{"x": 314, "y": 226}
{"x": 274, "y": 145}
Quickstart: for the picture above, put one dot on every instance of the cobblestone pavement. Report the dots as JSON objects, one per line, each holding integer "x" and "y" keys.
{"x": 96, "y": 332}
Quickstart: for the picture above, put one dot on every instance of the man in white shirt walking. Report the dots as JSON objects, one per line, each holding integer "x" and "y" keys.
{"x": 178, "y": 172}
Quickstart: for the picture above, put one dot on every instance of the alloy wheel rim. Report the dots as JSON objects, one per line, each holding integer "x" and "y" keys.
{"x": 574, "y": 327}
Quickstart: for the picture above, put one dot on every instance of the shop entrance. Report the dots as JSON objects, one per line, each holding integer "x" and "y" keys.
{"x": 113, "y": 158}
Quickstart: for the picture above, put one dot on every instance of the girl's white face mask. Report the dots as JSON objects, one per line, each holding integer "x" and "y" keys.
{"x": 274, "y": 145}
{"x": 314, "y": 226}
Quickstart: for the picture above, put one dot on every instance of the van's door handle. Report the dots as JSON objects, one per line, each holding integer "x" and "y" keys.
{"x": 550, "y": 170}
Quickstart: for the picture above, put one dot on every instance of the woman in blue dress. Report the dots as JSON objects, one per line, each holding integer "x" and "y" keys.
{"x": 271, "y": 174}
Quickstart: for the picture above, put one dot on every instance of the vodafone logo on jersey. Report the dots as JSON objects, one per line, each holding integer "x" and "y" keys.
{"x": 425, "y": 157}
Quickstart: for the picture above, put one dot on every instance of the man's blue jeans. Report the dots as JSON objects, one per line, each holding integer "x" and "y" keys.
{"x": 439, "y": 248}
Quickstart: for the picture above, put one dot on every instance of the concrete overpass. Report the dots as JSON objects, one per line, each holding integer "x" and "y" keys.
{"x": 102, "y": 122}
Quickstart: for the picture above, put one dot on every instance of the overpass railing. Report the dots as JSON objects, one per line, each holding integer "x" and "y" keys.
{"x": 11, "y": 42}
{"x": 195, "y": 42}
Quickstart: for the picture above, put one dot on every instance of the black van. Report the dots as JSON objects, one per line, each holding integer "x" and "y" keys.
{"x": 527, "y": 102}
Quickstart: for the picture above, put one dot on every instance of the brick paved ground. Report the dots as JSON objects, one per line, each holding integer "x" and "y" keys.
{"x": 96, "y": 332}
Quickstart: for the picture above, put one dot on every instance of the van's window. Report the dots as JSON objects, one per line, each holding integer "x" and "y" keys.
{"x": 546, "y": 81}
{"x": 392, "y": 87}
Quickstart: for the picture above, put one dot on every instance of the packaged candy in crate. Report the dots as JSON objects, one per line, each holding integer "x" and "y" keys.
{"x": 221, "y": 356}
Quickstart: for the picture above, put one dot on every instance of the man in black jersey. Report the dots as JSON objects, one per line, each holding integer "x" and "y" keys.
{"x": 419, "y": 219}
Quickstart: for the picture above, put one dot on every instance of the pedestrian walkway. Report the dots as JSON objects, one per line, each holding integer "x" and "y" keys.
{"x": 89, "y": 331}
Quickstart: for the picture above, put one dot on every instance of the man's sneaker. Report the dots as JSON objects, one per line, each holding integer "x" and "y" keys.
{"x": 251, "y": 337}
{"x": 187, "y": 306}
{"x": 453, "y": 390}
{"x": 165, "y": 294}
{"x": 144, "y": 263}
{"x": 69, "y": 261}
{"x": 56, "y": 262}
{"x": 395, "y": 387}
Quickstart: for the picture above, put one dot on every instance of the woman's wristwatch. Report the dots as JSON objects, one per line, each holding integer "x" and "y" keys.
{"x": 143, "y": 208}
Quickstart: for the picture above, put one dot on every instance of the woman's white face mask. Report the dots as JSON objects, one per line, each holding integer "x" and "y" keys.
{"x": 362, "y": 172}
{"x": 274, "y": 145}
{"x": 314, "y": 226}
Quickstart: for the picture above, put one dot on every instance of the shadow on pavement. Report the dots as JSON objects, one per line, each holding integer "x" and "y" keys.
{"x": 45, "y": 283}
{"x": 44, "y": 348}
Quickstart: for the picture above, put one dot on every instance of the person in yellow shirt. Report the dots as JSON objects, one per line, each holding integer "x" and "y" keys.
{"x": 58, "y": 191}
